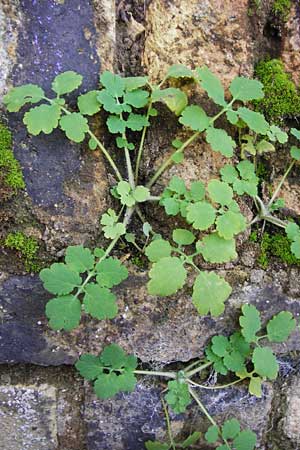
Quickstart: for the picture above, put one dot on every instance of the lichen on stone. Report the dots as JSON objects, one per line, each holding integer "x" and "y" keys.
{"x": 26, "y": 246}
{"x": 276, "y": 245}
{"x": 282, "y": 98}
{"x": 281, "y": 9}
{"x": 10, "y": 170}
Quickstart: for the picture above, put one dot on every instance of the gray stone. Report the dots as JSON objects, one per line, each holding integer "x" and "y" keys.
{"x": 28, "y": 418}
{"x": 292, "y": 414}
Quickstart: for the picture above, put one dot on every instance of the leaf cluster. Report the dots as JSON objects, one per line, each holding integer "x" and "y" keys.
{"x": 231, "y": 434}
{"x": 83, "y": 281}
{"x": 234, "y": 354}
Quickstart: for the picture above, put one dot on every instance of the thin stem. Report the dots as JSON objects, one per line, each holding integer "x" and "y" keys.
{"x": 141, "y": 147}
{"x": 156, "y": 373}
{"x": 280, "y": 223}
{"x": 107, "y": 155}
{"x": 281, "y": 183}
{"x": 206, "y": 413}
{"x": 129, "y": 168}
{"x": 224, "y": 386}
{"x": 198, "y": 369}
{"x": 173, "y": 445}
{"x": 169, "y": 160}
{"x": 190, "y": 366}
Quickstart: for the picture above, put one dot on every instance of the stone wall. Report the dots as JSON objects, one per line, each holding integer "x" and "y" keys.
{"x": 44, "y": 404}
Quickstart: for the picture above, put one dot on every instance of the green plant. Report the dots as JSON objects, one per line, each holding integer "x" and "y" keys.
{"x": 27, "y": 246}
{"x": 281, "y": 98}
{"x": 240, "y": 354}
{"x": 276, "y": 245}
{"x": 281, "y": 9}
{"x": 11, "y": 174}
{"x": 211, "y": 211}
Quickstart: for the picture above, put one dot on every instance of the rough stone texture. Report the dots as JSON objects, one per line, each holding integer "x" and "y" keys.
{"x": 199, "y": 33}
{"x": 291, "y": 43}
{"x": 292, "y": 414}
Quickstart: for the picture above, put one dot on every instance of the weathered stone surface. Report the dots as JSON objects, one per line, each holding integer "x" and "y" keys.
{"x": 292, "y": 414}
{"x": 199, "y": 33}
{"x": 28, "y": 418}
{"x": 291, "y": 43}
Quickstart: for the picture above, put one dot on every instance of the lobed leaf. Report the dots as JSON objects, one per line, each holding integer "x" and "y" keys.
{"x": 60, "y": 279}
{"x": 178, "y": 396}
{"x": 175, "y": 99}
{"x": 244, "y": 89}
{"x": 179, "y": 71}
{"x": 88, "y": 103}
{"x": 182, "y": 236}
{"x": 99, "y": 302}
{"x": 114, "y": 84}
{"x": 66, "y": 82}
{"x": 212, "y": 85}
{"x": 254, "y": 120}
{"x": 201, "y": 215}
{"x": 250, "y": 322}
{"x": 111, "y": 272}
{"x": 43, "y": 118}
{"x": 79, "y": 259}
{"x": 167, "y": 276}
{"x": 19, "y": 96}
{"x": 209, "y": 293}
{"x": 64, "y": 312}
{"x": 280, "y": 326}
{"x": 216, "y": 249}
{"x": 75, "y": 126}
{"x": 195, "y": 118}
{"x": 158, "y": 249}
{"x": 220, "y": 141}
{"x": 220, "y": 192}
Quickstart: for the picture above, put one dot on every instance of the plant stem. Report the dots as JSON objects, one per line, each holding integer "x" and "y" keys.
{"x": 206, "y": 413}
{"x": 141, "y": 147}
{"x": 190, "y": 366}
{"x": 107, "y": 155}
{"x": 224, "y": 386}
{"x": 129, "y": 169}
{"x": 156, "y": 373}
{"x": 281, "y": 183}
{"x": 169, "y": 160}
{"x": 198, "y": 369}
{"x": 168, "y": 424}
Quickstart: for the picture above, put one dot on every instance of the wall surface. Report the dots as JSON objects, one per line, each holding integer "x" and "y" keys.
{"x": 44, "y": 404}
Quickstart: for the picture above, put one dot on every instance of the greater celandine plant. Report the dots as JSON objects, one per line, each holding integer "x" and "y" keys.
{"x": 84, "y": 281}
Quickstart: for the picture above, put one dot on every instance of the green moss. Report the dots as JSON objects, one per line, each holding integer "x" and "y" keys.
{"x": 10, "y": 170}
{"x": 27, "y": 246}
{"x": 281, "y": 9}
{"x": 276, "y": 245}
{"x": 281, "y": 95}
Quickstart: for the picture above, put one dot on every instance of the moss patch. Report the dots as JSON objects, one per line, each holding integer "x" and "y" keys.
{"x": 276, "y": 245}
{"x": 282, "y": 98}
{"x": 281, "y": 9}
{"x": 26, "y": 246}
{"x": 10, "y": 170}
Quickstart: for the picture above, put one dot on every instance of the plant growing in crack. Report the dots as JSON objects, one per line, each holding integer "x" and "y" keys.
{"x": 84, "y": 282}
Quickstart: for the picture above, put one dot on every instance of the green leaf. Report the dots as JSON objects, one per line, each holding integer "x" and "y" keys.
{"x": 111, "y": 272}
{"x": 295, "y": 248}
{"x": 246, "y": 440}
{"x": 111, "y": 227}
{"x": 250, "y": 322}
{"x": 177, "y": 185}
{"x": 239, "y": 344}
{"x": 215, "y": 249}
{"x": 201, "y": 215}
{"x": 137, "y": 99}
{"x": 175, "y": 99}
{"x": 100, "y": 302}
{"x": 64, "y": 313}
{"x": 167, "y": 276}
{"x": 109, "y": 102}
{"x": 19, "y": 96}
{"x": 217, "y": 361}
{"x": 195, "y": 118}
{"x": 79, "y": 259}
{"x": 212, "y": 85}
{"x": 280, "y": 327}
{"x": 88, "y": 103}
{"x": 230, "y": 429}
{"x": 220, "y": 141}
{"x": 132, "y": 83}
{"x": 178, "y": 157}
{"x": 114, "y": 84}
{"x": 182, "y": 236}
{"x": 220, "y": 345}
{"x": 66, "y": 82}
{"x": 230, "y": 223}
{"x": 255, "y": 385}
{"x": 265, "y": 363}
{"x": 254, "y": 120}
{"x": 89, "y": 366}
{"x": 177, "y": 143}
{"x": 234, "y": 361}
{"x": 209, "y": 293}
{"x": 229, "y": 174}
{"x": 295, "y": 152}
{"x": 141, "y": 194}
{"x": 244, "y": 89}
{"x": 232, "y": 117}
{"x": 295, "y": 133}
{"x": 292, "y": 230}
{"x": 59, "y": 279}
{"x": 43, "y": 118}
{"x": 212, "y": 434}
{"x": 197, "y": 191}
{"x": 191, "y": 440}
{"x": 178, "y": 396}
{"x": 116, "y": 125}
{"x": 92, "y": 144}
{"x": 179, "y": 71}
{"x": 171, "y": 205}
{"x": 156, "y": 445}
{"x": 158, "y": 249}
{"x": 264, "y": 147}
{"x": 276, "y": 133}
{"x": 137, "y": 122}
{"x": 75, "y": 126}
{"x": 220, "y": 192}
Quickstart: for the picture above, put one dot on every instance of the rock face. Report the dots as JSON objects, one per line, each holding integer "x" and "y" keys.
{"x": 44, "y": 405}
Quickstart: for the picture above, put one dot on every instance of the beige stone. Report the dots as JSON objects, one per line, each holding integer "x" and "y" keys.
{"x": 199, "y": 33}
{"x": 292, "y": 416}
{"x": 291, "y": 44}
